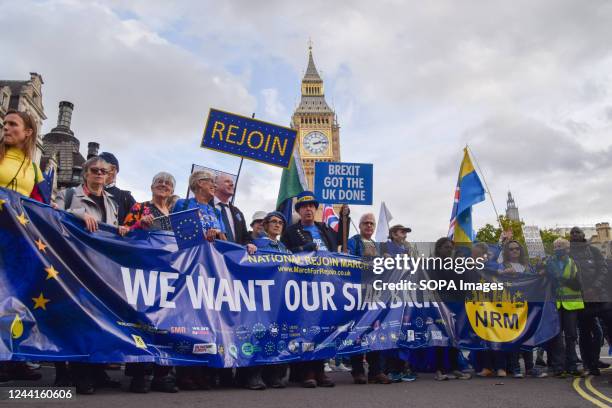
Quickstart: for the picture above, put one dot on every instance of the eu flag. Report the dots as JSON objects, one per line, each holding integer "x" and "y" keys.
{"x": 469, "y": 191}
{"x": 187, "y": 228}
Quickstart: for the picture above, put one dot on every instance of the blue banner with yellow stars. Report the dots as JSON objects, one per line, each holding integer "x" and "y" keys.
{"x": 70, "y": 295}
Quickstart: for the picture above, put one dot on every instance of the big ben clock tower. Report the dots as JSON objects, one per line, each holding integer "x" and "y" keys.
{"x": 317, "y": 128}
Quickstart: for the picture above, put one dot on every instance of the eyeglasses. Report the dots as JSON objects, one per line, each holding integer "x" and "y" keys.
{"x": 98, "y": 170}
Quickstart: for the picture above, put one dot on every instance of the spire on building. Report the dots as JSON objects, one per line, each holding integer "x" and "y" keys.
{"x": 511, "y": 209}
{"x": 311, "y": 70}
{"x": 511, "y": 203}
{"x": 313, "y": 94}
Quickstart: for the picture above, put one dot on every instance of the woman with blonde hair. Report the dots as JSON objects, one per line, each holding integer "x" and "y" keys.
{"x": 153, "y": 214}
{"x": 18, "y": 172}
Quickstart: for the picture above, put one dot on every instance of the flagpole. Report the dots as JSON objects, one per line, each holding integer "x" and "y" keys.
{"x": 187, "y": 195}
{"x": 239, "y": 169}
{"x": 178, "y": 212}
{"x": 386, "y": 212}
{"x": 237, "y": 176}
{"x": 471, "y": 152}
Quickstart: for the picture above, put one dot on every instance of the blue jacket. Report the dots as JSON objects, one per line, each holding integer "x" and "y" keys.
{"x": 356, "y": 247}
{"x": 209, "y": 215}
{"x": 266, "y": 244}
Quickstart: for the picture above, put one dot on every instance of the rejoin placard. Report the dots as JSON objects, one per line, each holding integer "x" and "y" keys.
{"x": 344, "y": 183}
{"x": 249, "y": 138}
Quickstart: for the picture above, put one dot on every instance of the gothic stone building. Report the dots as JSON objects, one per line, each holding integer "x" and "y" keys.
{"x": 24, "y": 96}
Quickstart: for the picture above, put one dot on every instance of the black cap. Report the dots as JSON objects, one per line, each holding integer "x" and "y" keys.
{"x": 110, "y": 159}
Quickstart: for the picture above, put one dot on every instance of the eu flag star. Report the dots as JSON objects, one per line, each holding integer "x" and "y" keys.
{"x": 22, "y": 219}
{"x": 51, "y": 272}
{"x": 40, "y": 302}
{"x": 41, "y": 245}
{"x": 2, "y": 202}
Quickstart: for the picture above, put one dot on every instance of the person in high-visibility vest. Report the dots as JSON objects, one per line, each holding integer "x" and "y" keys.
{"x": 562, "y": 267}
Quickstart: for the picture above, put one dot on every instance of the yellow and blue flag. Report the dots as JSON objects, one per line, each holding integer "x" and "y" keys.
{"x": 469, "y": 191}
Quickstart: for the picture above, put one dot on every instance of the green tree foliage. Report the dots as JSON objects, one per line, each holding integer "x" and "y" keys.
{"x": 548, "y": 237}
{"x": 490, "y": 234}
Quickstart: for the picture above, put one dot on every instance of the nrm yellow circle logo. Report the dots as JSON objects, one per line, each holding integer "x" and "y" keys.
{"x": 498, "y": 317}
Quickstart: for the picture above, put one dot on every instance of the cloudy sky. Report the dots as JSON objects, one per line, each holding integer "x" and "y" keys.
{"x": 528, "y": 85}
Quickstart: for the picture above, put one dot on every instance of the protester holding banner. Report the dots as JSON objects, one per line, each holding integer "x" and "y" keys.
{"x": 19, "y": 173}
{"x": 202, "y": 184}
{"x": 492, "y": 362}
{"x": 309, "y": 235}
{"x": 90, "y": 201}
{"x": 444, "y": 249}
{"x": 122, "y": 198}
{"x": 153, "y": 214}
{"x": 516, "y": 263}
{"x": 272, "y": 375}
{"x": 563, "y": 269}
{"x": 398, "y": 367}
{"x": 596, "y": 292}
{"x": 93, "y": 205}
{"x": 363, "y": 246}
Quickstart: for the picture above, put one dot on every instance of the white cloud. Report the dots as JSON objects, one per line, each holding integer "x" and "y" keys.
{"x": 527, "y": 84}
{"x": 273, "y": 107}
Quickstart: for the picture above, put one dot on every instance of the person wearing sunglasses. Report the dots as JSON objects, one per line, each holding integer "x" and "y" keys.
{"x": 271, "y": 375}
{"x": 153, "y": 215}
{"x": 273, "y": 224}
{"x": 202, "y": 184}
{"x": 89, "y": 201}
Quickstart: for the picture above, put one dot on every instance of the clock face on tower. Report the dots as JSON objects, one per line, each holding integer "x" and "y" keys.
{"x": 316, "y": 143}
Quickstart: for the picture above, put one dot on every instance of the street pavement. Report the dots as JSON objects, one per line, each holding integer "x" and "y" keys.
{"x": 425, "y": 392}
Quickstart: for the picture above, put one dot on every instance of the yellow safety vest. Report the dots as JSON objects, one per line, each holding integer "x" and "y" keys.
{"x": 569, "y": 298}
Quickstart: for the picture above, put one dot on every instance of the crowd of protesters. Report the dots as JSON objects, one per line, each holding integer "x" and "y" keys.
{"x": 579, "y": 269}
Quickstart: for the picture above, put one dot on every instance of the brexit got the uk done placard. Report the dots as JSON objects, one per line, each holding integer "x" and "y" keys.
{"x": 344, "y": 183}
